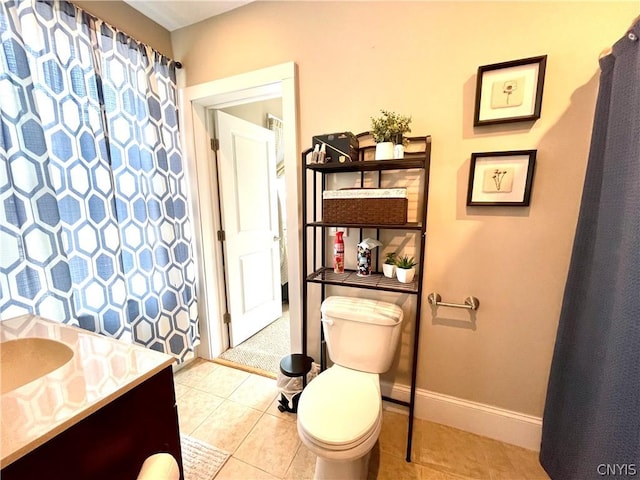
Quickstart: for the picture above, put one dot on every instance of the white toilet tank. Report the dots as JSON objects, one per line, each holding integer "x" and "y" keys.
{"x": 361, "y": 334}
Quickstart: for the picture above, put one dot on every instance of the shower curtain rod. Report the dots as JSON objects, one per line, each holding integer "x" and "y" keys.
{"x": 608, "y": 50}
{"x": 177, "y": 64}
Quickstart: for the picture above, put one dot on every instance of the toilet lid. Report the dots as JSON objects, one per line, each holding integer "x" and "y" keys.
{"x": 340, "y": 406}
{"x": 362, "y": 310}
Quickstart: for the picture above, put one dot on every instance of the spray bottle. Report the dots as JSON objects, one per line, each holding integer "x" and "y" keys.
{"x": 338, "y": 253}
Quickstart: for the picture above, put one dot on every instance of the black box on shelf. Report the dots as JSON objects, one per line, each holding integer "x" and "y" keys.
{"x": 340, "y": 147}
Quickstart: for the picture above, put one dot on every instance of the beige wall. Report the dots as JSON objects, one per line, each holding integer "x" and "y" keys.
{"x": 131, "y": 21}
{"x": 421, "y": 58}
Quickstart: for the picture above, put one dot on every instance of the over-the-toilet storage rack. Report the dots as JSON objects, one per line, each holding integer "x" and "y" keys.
{"x": 317, "y": 269}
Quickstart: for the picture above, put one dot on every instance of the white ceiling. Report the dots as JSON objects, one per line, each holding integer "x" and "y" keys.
{"x": 174, "y": 14}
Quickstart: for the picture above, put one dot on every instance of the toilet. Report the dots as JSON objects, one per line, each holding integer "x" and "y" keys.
{"x": 340, "y": 411}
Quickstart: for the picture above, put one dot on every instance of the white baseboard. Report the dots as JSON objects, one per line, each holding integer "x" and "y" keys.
{"x": 497, "y": 423}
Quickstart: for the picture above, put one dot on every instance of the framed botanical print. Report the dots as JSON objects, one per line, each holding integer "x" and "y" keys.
{"x": 501, "y": 178}
{"x": 509, "y": 91}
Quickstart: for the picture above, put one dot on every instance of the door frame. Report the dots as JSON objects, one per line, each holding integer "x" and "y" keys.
{"x": 196, "y": 102}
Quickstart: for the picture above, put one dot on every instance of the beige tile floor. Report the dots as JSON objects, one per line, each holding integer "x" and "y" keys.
{"x": 237, "y": 411}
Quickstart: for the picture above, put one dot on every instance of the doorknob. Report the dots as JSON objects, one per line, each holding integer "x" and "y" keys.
{"x": 276, "y": 238}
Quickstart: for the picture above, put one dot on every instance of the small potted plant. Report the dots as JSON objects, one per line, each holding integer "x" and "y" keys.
{"x": 389, "y": 265}
{"x": 386, "y": 129}
{"x": 405, "y": 269}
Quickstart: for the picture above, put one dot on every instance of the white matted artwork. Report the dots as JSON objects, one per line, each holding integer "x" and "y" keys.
{"x": 501, "y": 178}
{"x": 510, "y": 91}
{"x": 498, "y": 179}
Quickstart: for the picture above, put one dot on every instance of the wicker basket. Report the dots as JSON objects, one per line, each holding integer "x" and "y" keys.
{"x": 374, "y": 206}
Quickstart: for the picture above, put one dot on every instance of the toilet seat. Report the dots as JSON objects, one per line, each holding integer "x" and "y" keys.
{"x": 341, "y": 408}
{"x": 346, "y": 447}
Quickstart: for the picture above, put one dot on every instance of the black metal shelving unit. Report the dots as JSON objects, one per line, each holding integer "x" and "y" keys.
{"x": 417, "y": 157}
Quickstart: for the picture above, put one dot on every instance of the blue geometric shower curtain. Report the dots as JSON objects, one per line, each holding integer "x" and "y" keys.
{"x": 591, "y": 426}
{"x": 94, "y": 224}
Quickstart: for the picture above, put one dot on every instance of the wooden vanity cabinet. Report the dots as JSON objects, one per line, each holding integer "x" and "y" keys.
{"x": 113, "y": 442}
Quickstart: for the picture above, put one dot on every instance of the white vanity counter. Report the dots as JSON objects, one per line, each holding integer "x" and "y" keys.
{"x": 100, "y": 370}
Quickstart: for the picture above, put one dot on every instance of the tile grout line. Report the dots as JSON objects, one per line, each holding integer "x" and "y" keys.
{"x": 208, "y": 415}
{"x": 292, "y": 459}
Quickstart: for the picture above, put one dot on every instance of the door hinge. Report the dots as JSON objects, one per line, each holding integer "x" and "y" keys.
{"x": 226, "y": 318}
{"x": 215, "y": 145}
{"x": 221, "y": 236}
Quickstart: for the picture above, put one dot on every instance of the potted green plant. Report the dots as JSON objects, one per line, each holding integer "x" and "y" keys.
{"x": 389, "y": 265}
{"x": 387, "y": 129}
{"x": 405, "y": 269}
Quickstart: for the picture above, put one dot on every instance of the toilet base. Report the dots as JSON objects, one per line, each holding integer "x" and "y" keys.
{"x": 342, "y": 470}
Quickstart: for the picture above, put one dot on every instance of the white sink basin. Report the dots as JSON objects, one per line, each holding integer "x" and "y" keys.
{"x": 27, "y": 359}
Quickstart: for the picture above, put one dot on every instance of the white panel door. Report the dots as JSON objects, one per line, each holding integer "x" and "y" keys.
{"x": 247, "y": 178}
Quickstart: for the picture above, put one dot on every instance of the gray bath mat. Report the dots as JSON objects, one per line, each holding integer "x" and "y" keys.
{"x": 200, "y": 460}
